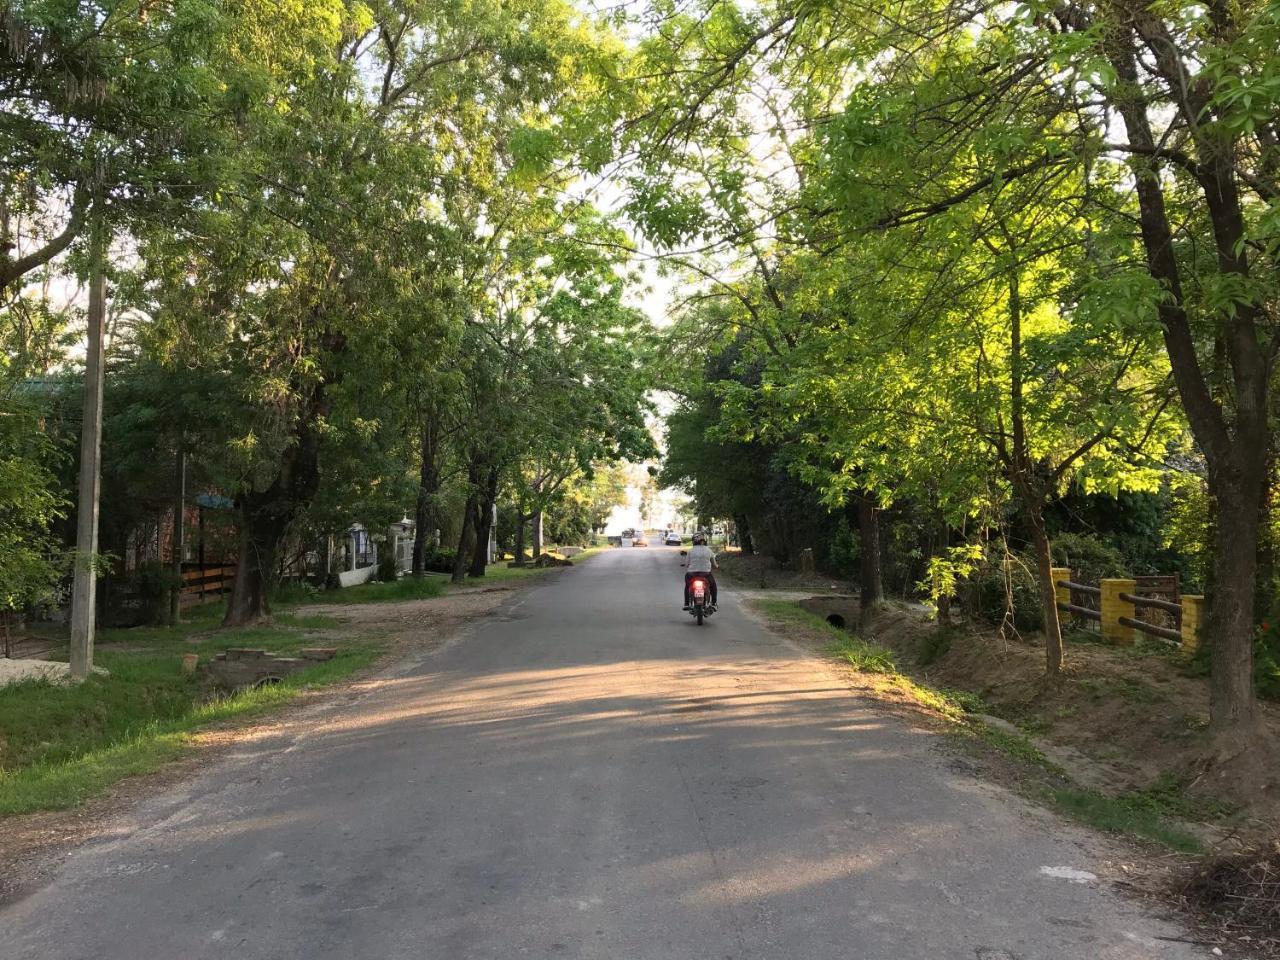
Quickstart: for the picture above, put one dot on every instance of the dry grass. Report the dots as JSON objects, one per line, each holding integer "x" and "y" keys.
{"x": 1241, "y": 893}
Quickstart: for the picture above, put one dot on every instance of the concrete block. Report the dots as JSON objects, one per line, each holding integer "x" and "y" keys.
{"x": 1195, "y": 614}
{"x": 1113, "y": 608}
{"x": 1057, "y": 574}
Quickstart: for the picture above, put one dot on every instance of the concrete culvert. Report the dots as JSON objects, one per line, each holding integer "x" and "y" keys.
{"x": 835, "y": 620}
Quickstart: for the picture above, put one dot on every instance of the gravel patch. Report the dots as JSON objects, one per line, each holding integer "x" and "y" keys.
{"x": 15, "y": 671}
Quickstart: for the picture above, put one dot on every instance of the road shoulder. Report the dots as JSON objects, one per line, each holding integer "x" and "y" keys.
{"x": 32, "y": 845}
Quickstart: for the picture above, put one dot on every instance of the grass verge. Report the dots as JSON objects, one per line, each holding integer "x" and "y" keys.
{"x": 62, "y": 744}
{"x": 411, "y": 588}
{"x": 1147, "y": 814}
{"x": 500, "y": 572}
{"x": 406, "y": 588}
{"x": 1131, "y": 814}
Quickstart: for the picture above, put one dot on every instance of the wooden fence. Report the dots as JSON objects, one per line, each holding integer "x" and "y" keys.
{"x": 1120, "y": 608}
{"x": 206, "y": 584}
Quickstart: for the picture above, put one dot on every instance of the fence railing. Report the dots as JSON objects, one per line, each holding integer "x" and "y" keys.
{"x": 206, "y": 584}
{"x": 8, "y": 628}
{"x": 1071, "y": 597}
{"x": 1120, "y": 600}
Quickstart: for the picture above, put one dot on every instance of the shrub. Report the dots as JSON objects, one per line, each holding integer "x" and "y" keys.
{"x": 140, "y": 595}
{"x": 439, "y": 561}
{"x": 1090, "y": 558}
{"x": 986, "y": 594}
{"x": 842, "y": 552}
{"x": 295, "y": 591}
{"x": 388, "y": 568}
{"x": 1266, "y": 661}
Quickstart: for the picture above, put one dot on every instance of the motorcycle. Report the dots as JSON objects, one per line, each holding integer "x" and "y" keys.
{"x": 700, "y": 605}
{"x": 698, "y": 590}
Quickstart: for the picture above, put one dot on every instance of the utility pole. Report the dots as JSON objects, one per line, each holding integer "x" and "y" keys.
{"x": 84, "y": 587}
{"x": 178, "y": 539}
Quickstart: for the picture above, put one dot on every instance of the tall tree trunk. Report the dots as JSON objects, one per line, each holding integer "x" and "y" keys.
{"x": 266, "y": 515}
{"x": 484, "y": 523}
{"x": 870, "y": 579}
{"x": 862, "y": 511}
{"x": 537, "y": 534}
{"x": 425, "y": 514}
{"x": 744, "y": 534}
{"x": 1053, "y": 654}
{"x": 466, "y": 539}
{"x": 1235, "y": 447}
{"x": 1264, "y": 602}
{"x": 176, "y": 539}
{"x": 262, "y": 528}
{"x": 1233, "y": 704}
{"x": 521, "y": 520}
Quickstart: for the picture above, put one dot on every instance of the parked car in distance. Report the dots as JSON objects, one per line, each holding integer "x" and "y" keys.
{"x": 673, "y": 539}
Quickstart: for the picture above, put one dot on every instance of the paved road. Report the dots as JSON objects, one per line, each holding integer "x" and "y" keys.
{"x": 589, "y": 777}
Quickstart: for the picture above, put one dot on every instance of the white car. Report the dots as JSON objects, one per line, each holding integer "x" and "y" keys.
{"x": 672, "y": 539}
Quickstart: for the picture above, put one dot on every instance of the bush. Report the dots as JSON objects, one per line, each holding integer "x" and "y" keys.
{"x": 1266, "y": 661}
{"x": 842, "y": 552}
{"x": 388, "y": 568}
{"x": 439, "y": 561}
{"x": 295, "y": 591}
{"x": 140, "y": 595}
{"x": 985, "y": 595}
{"x": 1090, "y": 558}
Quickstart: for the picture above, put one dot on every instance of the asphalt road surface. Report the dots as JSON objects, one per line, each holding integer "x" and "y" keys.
{"x": 591, "y": 776}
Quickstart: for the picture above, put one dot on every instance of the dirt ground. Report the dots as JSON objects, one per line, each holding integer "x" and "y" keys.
{"x": 760, "y": 573}
{"x": 1115, "y": 747}
{"x": 415, "y": 625}
{"x": 32, "y": 844}
{"x": 1120, "y": 719}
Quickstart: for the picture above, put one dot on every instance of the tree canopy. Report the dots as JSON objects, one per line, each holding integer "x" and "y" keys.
{"x": 938, "y": 275}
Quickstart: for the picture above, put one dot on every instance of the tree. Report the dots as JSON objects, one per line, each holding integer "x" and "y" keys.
{"x": 350, "y": 201}
{"x": 31, "y": 560}
{"x": 555, "y": 368}
{"x": 917, "y": 113}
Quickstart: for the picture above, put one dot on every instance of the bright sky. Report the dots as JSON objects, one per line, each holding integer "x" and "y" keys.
{"x": 654, "y": 296}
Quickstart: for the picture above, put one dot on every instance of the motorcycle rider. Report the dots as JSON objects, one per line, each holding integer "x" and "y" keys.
{"x": 700, "y": 563}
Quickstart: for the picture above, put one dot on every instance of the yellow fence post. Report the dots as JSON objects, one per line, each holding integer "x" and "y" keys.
{"x": 1194, "y": 613}
{"x": 1113, "y": 608}
{"x": 1057, "y": 575}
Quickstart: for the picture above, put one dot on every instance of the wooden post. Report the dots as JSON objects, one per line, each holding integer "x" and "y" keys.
{"x": 1113, "y": 608}
{"x": 176, "y": 541}
{"x": 1194, "y": 614}
{"x": 85, "y": 584}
